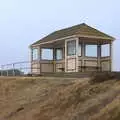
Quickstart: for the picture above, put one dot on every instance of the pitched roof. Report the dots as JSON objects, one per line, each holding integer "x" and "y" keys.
{"x": 81, "y": 29}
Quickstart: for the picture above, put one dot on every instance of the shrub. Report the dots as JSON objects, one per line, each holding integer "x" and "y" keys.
{"x": 98, "y": 77}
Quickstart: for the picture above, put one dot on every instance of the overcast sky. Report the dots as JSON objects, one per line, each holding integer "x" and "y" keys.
{"x": 22, "y": 22}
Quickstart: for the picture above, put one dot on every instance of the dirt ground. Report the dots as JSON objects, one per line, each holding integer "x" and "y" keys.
{"x": 49, "y": 98}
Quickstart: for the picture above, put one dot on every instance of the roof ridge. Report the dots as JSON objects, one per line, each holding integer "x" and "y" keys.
{"x": 71, "y": 27}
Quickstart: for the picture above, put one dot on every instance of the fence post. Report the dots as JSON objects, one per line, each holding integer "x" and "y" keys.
{"x": 20, "y": 69}
{"x": 7, "y": 70}
{"x": 13, "y": 69}
{"x": 2, "y": 70}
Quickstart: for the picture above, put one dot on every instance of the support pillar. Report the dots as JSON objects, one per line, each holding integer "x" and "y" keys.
{"x": 54, "y": 60}
{"x": 39, "y": 58}
{"x": 77, "y": 48}
{"x": 13, "y": 66}
{"x": 65, "y": 56}
{"x": 39, "y": 53}
{"x": 99, "y": 56}
{"x": 31, "y": 59}
{"x": 83, "y": 55}
{"x": 111, "y": 56}
{"x": 31, "y": 54}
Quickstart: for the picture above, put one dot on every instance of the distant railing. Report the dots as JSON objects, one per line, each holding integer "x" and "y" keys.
{"x": 16, "y": 69}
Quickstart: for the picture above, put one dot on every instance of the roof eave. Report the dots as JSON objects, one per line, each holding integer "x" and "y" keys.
{"x": 96, "y": 37}
{"x": 68, "y": 37}
{"x": 51, "y": 41}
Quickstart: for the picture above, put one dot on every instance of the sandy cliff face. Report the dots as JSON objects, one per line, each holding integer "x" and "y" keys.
{"x": 58, "y": 99}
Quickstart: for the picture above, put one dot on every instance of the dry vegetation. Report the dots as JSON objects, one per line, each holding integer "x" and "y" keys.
{"x": 43, "y": 98}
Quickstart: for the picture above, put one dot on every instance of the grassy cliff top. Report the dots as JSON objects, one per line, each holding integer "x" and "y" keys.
{"x": 45, "y": 98}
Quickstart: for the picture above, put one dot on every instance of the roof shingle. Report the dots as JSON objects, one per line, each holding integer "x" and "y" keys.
{"x": 81, "y": 29}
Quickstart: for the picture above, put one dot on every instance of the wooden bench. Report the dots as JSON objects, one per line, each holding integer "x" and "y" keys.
{"x": 89, "y": 67}
{"x": 62, "y": 69}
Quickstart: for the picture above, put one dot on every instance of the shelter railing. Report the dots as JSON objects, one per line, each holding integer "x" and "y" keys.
{"x": 16, "y": 69}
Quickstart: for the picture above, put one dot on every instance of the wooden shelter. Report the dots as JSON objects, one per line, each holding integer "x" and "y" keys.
{"x": 75, "y": 49}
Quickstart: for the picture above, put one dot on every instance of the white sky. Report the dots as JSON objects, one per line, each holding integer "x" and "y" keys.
{"x": 22, "y": 22}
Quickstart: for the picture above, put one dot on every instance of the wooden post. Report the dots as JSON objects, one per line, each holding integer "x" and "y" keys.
{"x": 77, "y": 48}
{"x": 39, "y": 53}
{"x": 2, "y": 68}
{"x": 82, "y": 54}
{"x": 39, "y": 58}
{"x": 54, "y": 59}
{"x": 99, "y": 55}
{"x": 7, "y": 70}
{"x": 111, "y": 56}
{"x": 65, "y": 56}
{"x": 13, "y": 69}
{"x": 31, "y": 59}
